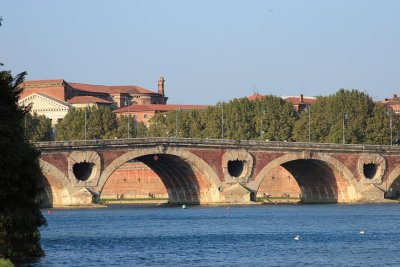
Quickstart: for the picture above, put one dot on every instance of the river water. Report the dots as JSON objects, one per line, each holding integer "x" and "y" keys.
{"x": 222, "y": 236}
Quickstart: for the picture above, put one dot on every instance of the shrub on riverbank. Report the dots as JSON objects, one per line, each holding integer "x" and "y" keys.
{"x": 6, "y": 263}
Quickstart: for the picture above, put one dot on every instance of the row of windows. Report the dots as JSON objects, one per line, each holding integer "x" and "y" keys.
{"x": 50, "y": 109}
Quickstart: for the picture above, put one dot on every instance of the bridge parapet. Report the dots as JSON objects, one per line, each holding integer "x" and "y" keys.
{"x": 215, "y": 143}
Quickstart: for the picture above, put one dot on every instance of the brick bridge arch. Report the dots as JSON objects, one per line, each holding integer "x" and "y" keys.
{"x": 57, "y": 189}
{"x": 187, "y": 177}
{"x": 393, "y": 180}
{"x": 335, "y": 183}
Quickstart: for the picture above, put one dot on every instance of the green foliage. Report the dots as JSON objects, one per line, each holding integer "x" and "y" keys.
{"x": 20, "y": 177}
{"x": 277, "y": 118}
{"x": 101, "y": 123}
{"x": 122, "y": 127}
{"x": 141, "y": 130}
{"x": 352, "y": 112}
{"x": 270, "y": 118}
{"x": 377, "y": 131}
{"x": 37, "y": 128}
{"x": 6, "y": 263}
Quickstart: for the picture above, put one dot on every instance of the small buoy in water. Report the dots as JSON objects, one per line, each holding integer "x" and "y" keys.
{"x": 361, "y": 232}
{"x": 48, "y": 211}
{"x": 184, "y": 206}
{"x": 297, "y": 237}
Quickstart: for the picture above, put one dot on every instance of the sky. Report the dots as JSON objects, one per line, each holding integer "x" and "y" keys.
{"x": 208, "y": 51}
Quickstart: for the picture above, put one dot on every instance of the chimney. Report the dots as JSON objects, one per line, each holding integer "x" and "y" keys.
{"x": 395, "y": 96}
{"x": 301, "y": 98}
{"x": 161, "y": 85}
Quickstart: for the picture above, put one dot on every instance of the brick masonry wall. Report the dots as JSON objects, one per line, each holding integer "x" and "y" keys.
{"x": 134, "y": 180}
{"x": 278, "y": 182}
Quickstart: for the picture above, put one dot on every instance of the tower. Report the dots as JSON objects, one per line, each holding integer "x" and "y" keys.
{"x": 161, "y": 85}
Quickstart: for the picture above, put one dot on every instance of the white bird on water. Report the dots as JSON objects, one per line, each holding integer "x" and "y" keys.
{"x": 297, "y": 237}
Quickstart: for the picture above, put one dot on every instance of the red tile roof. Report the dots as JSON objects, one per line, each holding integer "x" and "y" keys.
{"x": 158, "y": 107}
{"x": 255, "y": 96}
{"x": 88, "y": 100}
{"x": 295, "y": 100}
{"x": 131, "y": 89}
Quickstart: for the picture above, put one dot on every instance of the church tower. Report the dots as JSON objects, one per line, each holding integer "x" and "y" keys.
{"x": 161, "y": 86}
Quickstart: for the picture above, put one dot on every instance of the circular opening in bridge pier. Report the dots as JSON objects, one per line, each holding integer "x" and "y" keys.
{"x": 370, "y": 170}
{"x": 83, "y": 170}
{"x": 235, "y": 167}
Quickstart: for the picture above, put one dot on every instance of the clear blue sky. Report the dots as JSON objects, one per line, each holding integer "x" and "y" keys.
{"x": 208, "y": 50}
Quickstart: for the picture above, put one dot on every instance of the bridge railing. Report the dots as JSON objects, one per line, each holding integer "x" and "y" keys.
{"x": 220, "y": 143}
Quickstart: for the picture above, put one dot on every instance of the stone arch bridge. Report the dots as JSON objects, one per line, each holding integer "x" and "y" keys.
{"x": 203, "y": 171}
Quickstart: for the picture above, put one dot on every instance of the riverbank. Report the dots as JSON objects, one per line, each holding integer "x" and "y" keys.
{"x": 103, "y": 203}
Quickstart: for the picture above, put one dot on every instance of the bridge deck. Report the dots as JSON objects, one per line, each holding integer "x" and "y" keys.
{"x": 214, "y": 143}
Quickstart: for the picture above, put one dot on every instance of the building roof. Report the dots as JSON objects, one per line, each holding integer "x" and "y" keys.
{"x": 52, "y": 99}
{"x": 255, "y": 96}
{"x": 43, "y": 83}
{"x": 131, "y": 89}
{"x": 158, "y": 107}
{"x": 88, "y": 100}
{"x": 296, "y": 100}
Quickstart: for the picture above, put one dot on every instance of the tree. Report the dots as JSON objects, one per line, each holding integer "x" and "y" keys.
{"x": 122, "y": 127}
{"x": 37, "y": 128}
{"x": 377, "y": 131}
{"x": 141, "y": 130}
{"x": 20, "y": 177}
{"x": 100, "y": 123}
{"x": 239, "y": 119}
{"x": 277, "y": 117}
{"x": 343, "y": 115}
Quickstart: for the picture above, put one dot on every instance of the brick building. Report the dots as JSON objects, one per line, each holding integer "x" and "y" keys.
{"x": 143, "y": 113}
{"x": 299, "y": 103}
{"x": 393, "y": 103}
{"x": 53, "y": 98}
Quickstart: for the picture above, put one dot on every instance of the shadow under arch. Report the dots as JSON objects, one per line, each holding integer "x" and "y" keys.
{"x": 393, "y": 182}
{"x": 321, "y": 177}
{"x": 56, "y": 187}
{"x": 187, "y": 177}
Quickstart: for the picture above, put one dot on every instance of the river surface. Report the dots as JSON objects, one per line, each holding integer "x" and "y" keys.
{"x": 223, "y": 236}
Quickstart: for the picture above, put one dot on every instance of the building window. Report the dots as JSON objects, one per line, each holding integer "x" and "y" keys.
{"x": 145, "y": 116}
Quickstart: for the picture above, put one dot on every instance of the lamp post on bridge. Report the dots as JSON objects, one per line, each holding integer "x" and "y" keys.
{"x": 129, "y": 115}
{"x": 85, "y": 124}
{"x": 222, "y": 120}
{"x": 262, "y": 125}
{"x": 344, "y": 117}
{"x": 388, "y": 113}
{"x": 309, "y": 122}
{"x": 177, "y": 122}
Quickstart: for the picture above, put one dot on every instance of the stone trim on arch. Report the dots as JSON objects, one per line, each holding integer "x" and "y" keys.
{"x": 51, "y": 170}
{"x": 372, "y": 159}
{"x": 69, "y": 195}
{"x": 242, "y": 155}
{"x": 332, "y": 162}
{"x": 88, "y": 157}
{"x": 208, "y": 173}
